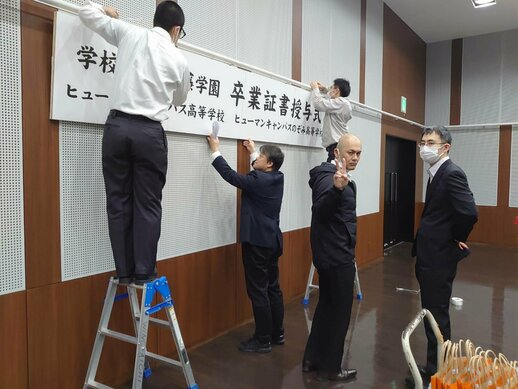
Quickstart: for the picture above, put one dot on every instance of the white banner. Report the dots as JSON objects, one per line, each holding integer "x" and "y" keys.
{"x": 245, "y": 104}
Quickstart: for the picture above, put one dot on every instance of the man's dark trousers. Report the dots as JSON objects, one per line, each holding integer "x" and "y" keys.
{"x": 261, "y": 266}
{"x": 325, "y": 345}
{"x": 436, "y": 288}
{"x": 134, "y": 156}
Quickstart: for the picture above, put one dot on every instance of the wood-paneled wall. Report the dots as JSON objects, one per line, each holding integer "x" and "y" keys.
{"x": 404, "y": 74}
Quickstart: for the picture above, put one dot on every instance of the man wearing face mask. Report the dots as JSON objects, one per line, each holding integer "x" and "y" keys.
{"x": 448, "y": 217}
{"x": 333, "y": 101}
{"x": 151, "y": 75}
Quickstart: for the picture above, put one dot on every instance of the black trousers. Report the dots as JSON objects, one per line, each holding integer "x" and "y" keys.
{"x": 325, "y": 346}
{"x": 134, "y": 156}
{"x": 436, "y": 287}
{"x": 262, "y": 285}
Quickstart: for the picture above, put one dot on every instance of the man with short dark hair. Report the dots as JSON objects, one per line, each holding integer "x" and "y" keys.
{"x": 333, "y": 242}
{"x": 448, "y": 217}
{"x": 333, "y": 101}
{"x": 151, "y": 76}
{"x": 260, "y": 237}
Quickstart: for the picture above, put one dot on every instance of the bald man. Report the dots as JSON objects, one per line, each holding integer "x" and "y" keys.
{"x": 333, "y": 238}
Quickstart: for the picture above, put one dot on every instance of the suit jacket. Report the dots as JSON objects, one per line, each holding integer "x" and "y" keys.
{"x": 261, "y": 199}
{"x": 448, "y": 217}
{"x": 333, "y": 219}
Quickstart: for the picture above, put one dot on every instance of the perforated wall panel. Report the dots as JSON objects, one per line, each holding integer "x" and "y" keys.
{"x": 513, "y": 187}
{"x": 374, "y": 53}
{"x": 211, "y": 24}
{"x": 132, "y": 11}
{"x": 489, "y": 79}
{"x": 264, "y": 34}
{"x": 481, "y": 77}
{"x": 476, "y": 152}
{"x": 198, "y": 206}
{"x": 296, "y": 204}
{"x": 509, "y": 110}
{"x": 331, "y": 42}
{"x": 438, "y": 83}
{"x": 12, "y": 261}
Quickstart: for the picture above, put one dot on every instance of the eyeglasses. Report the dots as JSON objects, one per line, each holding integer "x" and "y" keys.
{"x": 429, "y": 143}
{"x": 182, "y": 33}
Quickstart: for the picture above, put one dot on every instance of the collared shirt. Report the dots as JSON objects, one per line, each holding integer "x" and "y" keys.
{"x": 337, "y": 114}
{"x": 151, "y": 73}
{"x": 432, "y": 171}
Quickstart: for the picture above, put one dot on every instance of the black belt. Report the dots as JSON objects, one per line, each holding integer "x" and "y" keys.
{"x": 115, "y": 113}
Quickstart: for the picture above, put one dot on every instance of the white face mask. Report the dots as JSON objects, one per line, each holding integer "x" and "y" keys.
{"x": 430, "y": 154}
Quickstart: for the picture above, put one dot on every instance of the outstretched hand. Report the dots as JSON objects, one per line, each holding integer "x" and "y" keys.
{"x": 340, "y": 179}
{"x": 249, "y": 145}
{"x": 213, "y": 143}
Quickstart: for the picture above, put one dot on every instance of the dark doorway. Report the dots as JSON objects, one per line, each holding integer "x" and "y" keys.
{"x": 399, "y": 191}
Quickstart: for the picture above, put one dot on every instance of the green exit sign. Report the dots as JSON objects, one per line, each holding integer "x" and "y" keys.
{"x": 403, "y": 104}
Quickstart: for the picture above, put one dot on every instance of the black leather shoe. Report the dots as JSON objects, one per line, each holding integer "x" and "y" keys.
{"x": 342, "y": 375}
{"x": 278, "y": 340}
{"x": 308, "y": 366}
{"x": 253, "y": 345}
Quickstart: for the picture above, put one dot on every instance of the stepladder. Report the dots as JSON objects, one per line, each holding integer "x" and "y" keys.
{"x": 310, "y": 286}
{"x": 141, "y": 316}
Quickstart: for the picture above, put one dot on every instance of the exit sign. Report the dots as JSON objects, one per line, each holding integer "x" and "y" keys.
{"x": 403, "y": 104}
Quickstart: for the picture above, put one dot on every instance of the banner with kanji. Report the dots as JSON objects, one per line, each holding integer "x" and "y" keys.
{"x": 245, "y": 104}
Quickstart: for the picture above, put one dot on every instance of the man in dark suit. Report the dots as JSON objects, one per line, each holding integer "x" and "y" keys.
{"x": 448, "y": 217}
{"x": 333, "y": 240}
{"x": 260, "y": 237}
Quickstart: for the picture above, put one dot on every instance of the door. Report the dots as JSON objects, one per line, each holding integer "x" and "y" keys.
{"x": 399, "y": 191}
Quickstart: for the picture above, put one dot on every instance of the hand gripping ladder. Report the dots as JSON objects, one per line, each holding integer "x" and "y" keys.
{"x": 141, "y": 320}
{"x": 310, "y": 286}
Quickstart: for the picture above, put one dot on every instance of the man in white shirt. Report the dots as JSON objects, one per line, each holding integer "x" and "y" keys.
{"x": 333, "y": 101}
{"x": 151, "y": 75}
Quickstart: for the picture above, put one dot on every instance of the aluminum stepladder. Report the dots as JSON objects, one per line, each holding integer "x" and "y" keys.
{"x": 310, "y": 286}
{"x": 141, "y": 321}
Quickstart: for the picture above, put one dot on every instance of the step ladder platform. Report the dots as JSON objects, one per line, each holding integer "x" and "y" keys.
{"x": 141, "y": 320}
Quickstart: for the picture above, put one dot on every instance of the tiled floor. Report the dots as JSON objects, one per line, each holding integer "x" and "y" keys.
{"x": 487, "y": 281}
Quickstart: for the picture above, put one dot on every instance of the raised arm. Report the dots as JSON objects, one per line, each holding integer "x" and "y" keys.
{"x": 104, "y": 21}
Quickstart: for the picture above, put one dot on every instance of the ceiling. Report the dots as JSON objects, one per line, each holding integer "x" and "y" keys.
{"x": 438, "y": 20}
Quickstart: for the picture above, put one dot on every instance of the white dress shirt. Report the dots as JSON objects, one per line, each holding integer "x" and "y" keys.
{"x": 432, "y": 171}
{"x": 337, "y": 114}
{"x": 151, "y": 74}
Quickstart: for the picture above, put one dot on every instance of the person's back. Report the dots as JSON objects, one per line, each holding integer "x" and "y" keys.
{"x": 155, "y": 65}
{"x": 261, "y": 207}
{"x": 151, "y": 73}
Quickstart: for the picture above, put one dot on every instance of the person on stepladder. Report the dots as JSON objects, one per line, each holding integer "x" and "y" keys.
{"x": 260, "y": 237}
{"x": 333, "y": 241}
{"x": 448, "y": 217}
{"x": 151, "y": 76}
{"x": 333, "y": 101}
